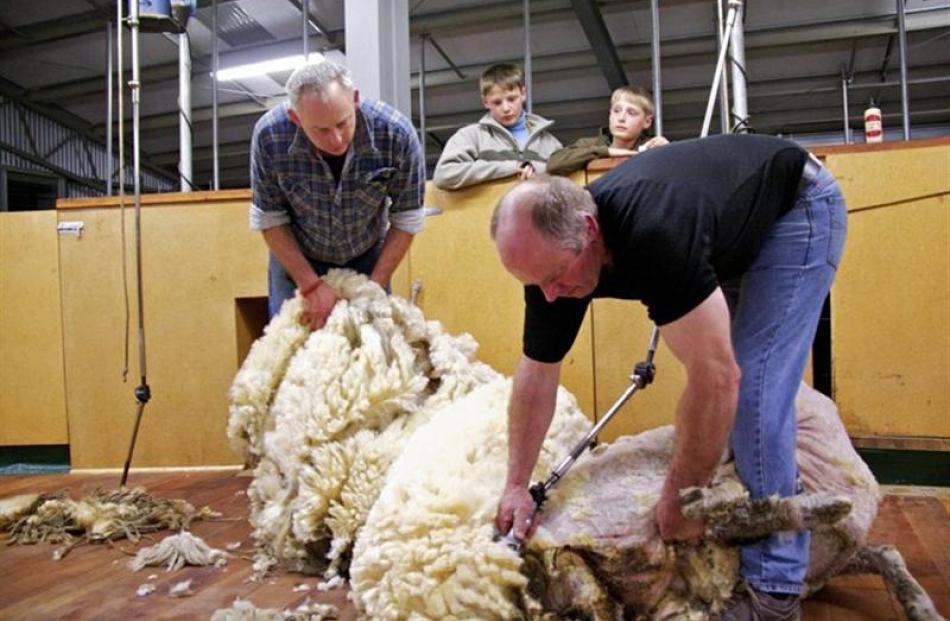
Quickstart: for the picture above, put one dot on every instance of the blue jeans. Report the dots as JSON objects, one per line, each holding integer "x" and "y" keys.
{"x": 281, "y": 287}
{"x": 780, "y": 300}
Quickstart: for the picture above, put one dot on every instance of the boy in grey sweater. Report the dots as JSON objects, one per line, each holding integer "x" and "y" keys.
{"x": 506, "y": 142}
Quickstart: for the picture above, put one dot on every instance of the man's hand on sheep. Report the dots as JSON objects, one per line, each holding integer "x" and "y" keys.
{"x": 670, "y": 521}
{"x": 317, "y": 305}
{"x": 516, "y": 510}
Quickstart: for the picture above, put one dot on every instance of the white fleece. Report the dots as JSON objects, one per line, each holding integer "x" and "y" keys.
{"x": 427, "y": 550}
{"x": 326, "y": 413}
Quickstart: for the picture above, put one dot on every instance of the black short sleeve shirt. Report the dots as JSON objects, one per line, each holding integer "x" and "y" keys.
{"x": 677, "y": 221}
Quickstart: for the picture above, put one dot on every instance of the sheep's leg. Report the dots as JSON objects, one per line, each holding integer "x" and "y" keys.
{"x": 888, "y": 562}
{"x": 736, "y": 518}
{"x": 571, "y": 588}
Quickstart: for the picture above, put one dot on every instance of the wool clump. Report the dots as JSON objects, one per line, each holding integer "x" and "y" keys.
{"x": 244, "y": 610}
{"x": 104, "y": 515}
{"x": 323, "y": 416}
{"x": 428, "y": 548}
{"x": 176, "y": 551}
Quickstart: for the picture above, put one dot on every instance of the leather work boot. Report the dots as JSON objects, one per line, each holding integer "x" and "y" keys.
{"x": 747, "y": 604}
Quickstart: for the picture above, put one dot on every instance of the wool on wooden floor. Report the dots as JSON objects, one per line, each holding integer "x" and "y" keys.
{"x": 93, "y": 581}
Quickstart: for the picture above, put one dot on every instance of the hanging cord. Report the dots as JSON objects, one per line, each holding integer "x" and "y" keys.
{"x": 142, "y": 391}
{"x": 740, "y": 124}
{"x": 124, "y": 261}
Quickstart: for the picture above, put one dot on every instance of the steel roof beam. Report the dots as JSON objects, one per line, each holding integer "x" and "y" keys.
{"x": 66, "y": 27}
{"x": 41, "y": 33}
{"x": 672, "y": 48}
{"x": 598, "y": 36}
{"x": 70, "y": 121}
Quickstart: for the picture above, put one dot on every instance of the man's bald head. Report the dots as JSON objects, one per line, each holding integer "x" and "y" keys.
{"x": 547, "y": 234}
{"x": 554, "y": 207}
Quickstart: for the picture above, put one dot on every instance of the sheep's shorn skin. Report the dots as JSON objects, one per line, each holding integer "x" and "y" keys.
{"x": 613, "y": 528}
{"x": 381, "y": 452}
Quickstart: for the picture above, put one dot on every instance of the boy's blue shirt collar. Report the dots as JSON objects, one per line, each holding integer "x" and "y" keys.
{"x": 520, "y": 124}
{"x": 519, "y": 130}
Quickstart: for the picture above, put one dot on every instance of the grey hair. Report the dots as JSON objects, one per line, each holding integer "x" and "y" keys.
{"x": 317, "y": 78}
{"x": 557, "y": 207}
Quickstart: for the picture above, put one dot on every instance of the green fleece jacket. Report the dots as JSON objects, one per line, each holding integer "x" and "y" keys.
{"x": 581, "y": 152}
{"x": 485, "y": 151}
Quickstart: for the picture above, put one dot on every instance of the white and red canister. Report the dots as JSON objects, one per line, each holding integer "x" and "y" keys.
{"x": 873, "y": 129}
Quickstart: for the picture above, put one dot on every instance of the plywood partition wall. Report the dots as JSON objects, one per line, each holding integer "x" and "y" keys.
{"x": 891, "y": 302}
{"x": 464, "y": 285}
{"x": 198, "y": 259}
{"x": 32, "y": 394}
{"x": 621, "y": 336}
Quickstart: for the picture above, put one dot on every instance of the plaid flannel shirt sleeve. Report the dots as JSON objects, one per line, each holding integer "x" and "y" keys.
{"x": 408, "y": 187}
{"x": 268, "y": 205}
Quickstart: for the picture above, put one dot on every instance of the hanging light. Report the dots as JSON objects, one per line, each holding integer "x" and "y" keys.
{"x": 276, "y": 65}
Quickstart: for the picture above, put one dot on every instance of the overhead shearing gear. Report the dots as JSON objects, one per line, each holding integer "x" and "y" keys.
{"x": 642, "y": 376}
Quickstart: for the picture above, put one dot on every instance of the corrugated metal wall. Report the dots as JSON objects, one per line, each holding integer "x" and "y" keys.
{"x": 32, "y": 142}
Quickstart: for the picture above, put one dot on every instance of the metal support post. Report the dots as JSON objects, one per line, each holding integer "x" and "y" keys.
{"x": 527, "y": 55}
{"x": 724, "y": 125}
{"x": 905, "y": 96}
{"x": 110, "y": 165}
{"x": 422, "y": 94}
{"x": 740, "y": 106}
{"x": 845, "y": 81}
{"x": 734, "y": 5}
{"x": 185, "y": 167}
{"x": 657, "y": 80}
{"x": 305, "y": 13}
{"x": 215, "y": 164}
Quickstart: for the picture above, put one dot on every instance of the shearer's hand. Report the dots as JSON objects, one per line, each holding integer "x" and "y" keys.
{"x": 317, "y": 305}
{"x": 673, "y": 526}
{"x": 516, "y": 509}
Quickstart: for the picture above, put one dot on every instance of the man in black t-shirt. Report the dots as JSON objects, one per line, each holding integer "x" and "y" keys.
{"x": 667, "y": 228}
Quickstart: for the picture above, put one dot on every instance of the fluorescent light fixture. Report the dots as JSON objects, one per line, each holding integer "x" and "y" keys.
{"x": 276, "y": 65}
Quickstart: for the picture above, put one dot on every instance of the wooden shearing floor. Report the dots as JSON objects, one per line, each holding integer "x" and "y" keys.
{"x": 93, "y": 582}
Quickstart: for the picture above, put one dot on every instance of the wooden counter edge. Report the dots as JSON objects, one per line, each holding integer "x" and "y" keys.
{"x": 835, "y": 149}
{"x": 598, "y": 165}
{"x": 157, "y": 199}
{"x": 608, "y": 163}
{"x": 910, "y": 443}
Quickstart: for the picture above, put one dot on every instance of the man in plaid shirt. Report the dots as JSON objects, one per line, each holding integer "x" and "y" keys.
{"x": 336, "y": 182}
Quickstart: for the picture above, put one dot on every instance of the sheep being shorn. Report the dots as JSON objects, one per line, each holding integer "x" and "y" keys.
{"x": 427, "y": 551}
{"x": 618, "y": 542}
